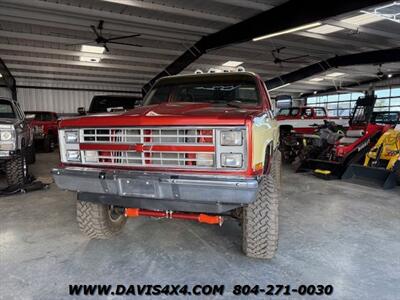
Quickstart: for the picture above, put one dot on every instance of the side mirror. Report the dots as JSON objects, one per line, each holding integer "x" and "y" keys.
{"x": 81, "y": 111}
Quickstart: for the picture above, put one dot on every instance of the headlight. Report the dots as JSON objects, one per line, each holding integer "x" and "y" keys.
{"x": 6, "y": 135}
{"x": 73, "y": 155}
{"x": 231, "y": 160}
{"x": 71, "y": 137}
{"x": 231, "y": 138}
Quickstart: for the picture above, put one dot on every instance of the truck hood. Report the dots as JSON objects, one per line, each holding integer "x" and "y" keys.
{"x": 182, "y": 113}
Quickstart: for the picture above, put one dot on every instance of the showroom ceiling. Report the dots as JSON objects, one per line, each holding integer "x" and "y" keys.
{"x": 40, "y": 40}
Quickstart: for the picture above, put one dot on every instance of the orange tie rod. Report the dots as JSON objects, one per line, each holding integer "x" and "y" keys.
{"x": 202, "y": 218}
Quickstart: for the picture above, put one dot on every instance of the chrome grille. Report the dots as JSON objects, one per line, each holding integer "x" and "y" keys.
{"x": 149, "y": 136}
{"x": 148, "y": 140}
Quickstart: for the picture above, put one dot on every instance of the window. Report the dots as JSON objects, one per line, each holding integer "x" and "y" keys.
{"x": 284, "y": 112}
{"x": 102, "y": 104}
{"x": 395, "y": 92}
{"x": 307, "y": 113}
{"x": 312, "y": 100}
{"x": 6, "y": 109}
{"x": 319, "y": 112}
{"x": 342, "y": 105}
{"x": 41, "y": 116}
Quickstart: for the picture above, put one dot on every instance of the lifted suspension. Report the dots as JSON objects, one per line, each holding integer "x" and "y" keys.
{"x": 169, "y": 214}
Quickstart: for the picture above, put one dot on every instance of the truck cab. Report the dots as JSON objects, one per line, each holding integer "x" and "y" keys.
{"x": 45, "y": 128}
{"x": 101, "y": 104}
{"x": 16, "y": 142}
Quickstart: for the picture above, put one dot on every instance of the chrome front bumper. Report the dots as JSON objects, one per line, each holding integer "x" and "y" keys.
{"x": 143, "y": 189}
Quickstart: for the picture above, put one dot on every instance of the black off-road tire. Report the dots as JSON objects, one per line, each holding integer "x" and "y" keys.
{"x": 260, "y": 219}
{"x": 48, "y": 143}
{"x": 16, "y": 170}
{"x": 31, "y": 155}
{"x": 95, "y": 221}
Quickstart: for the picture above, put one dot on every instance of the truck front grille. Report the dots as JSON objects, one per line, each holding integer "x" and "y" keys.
{"x": 149, "y": 147}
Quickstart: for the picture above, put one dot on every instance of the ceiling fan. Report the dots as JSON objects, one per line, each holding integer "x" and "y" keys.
{"x": 278, "y": 60}
{"x": 100, "y": 39}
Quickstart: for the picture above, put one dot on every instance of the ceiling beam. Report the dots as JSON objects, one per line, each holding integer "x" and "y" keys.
{"x": 290, "y": 14}
{"x": 176, "y": 10}
{"x": 364, "y": 58}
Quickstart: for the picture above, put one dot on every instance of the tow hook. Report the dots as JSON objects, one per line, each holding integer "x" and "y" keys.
{"x": 169, "y": 214}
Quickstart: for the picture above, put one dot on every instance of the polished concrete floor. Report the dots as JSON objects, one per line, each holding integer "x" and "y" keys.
{"x": 330, "y": 233}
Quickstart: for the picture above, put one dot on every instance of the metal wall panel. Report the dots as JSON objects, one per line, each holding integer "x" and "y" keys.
{"x": 62, "y": 101}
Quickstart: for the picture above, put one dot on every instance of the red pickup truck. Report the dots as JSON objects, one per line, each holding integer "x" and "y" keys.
{"x": 301, "y": 119}
{"x": 202, "y": 147}
{"x": 45, "y": 128}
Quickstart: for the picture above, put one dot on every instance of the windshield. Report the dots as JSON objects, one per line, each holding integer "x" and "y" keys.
{"x": 6, "y": 110}
{"x": 288, "y": 112}
{"x": 219, "y": 93}
{"x": 40, "y": 116}
{"x": 105, "y": 104}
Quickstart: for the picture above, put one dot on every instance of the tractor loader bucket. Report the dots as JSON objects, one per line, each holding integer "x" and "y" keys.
{"x": 370, "y": 175}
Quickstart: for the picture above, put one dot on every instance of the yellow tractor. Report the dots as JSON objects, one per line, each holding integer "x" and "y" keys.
{"x": 382, "y": 162}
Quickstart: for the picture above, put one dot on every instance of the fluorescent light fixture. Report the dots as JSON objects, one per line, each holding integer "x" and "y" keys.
{"x": 92, "y": 49}
{"x": 335, "y": 74}
{"x": 232, "y": 63}
{"x": 89, "y": 59}
{"x": 325, "y": 29}
{"x": 389, "y": 12}
{"x": 316, "y": 79}
{"x": 287, "y": 31}
{"x": 279, "y": 87}
{"x": 363, "y": 19}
